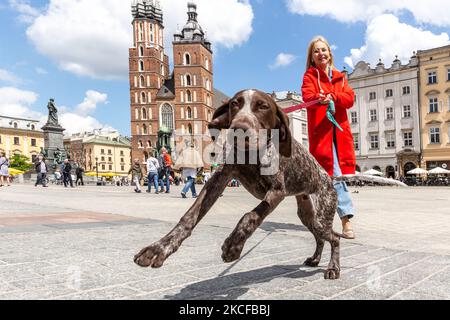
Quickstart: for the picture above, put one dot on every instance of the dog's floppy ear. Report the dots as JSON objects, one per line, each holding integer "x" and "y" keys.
{"x": 221, "y": 117}
{"x": 285, "y": 133}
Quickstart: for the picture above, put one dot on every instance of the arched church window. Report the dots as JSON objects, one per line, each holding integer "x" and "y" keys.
{"x": 188, "y": 96}
{"x": 167, "y": 116}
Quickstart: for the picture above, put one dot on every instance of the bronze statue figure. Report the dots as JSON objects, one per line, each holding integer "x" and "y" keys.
{"x": 52, "y": 113}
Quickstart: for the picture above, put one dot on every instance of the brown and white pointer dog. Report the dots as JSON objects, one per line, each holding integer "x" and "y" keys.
{"x": 299, "y": 175}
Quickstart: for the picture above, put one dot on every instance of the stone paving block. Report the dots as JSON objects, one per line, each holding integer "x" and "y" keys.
{"x": 411, "y": 295}
{"x": 439, "y": 260}
{"x": 113, "y": 293}
{"x": 295, "y": 295}
{"x": 210, "y": 272}
{"x": 161, "y": 283}
{"x": 442, "y": 276}
{"x": 240, "y": 293}
{"x": 272, "y": 286}
{"x": 416, "y": 272}
{"x": 7, "y": 287}
{"x": 363, "y": 276}
{"x": 432, "y": 287}
{"x": 307, "y": 274}
{"x": 93, "y": 281}
{"x": 24, "y": 268}
{"x": 170, "y": 294}
{"x": 36, "y": 284}
{"x": 215, "y": 284}
{"x": 261, "y": 274}
{"x": 373, "y": 291}
{"x": 48, "y": 292}
{"x": 18, "y": 276}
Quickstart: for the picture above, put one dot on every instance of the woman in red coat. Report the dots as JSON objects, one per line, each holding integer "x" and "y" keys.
{"x": 331, "y": 147}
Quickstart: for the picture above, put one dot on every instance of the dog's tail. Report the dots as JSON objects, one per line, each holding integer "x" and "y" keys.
{"x": 374, "y": 179}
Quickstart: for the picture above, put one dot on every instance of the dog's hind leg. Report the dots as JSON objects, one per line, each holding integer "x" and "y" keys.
{"x": 307, "y": 214}
{"x": 155, "y": 254}
{"x": 318, "y": 216}
{"x": 233, "y": 245}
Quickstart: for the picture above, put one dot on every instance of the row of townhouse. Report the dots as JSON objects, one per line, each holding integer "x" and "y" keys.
{"x": 401, "y": 116}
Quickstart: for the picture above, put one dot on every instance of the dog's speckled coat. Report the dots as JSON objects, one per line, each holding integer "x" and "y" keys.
{"x": 299, "y": 175}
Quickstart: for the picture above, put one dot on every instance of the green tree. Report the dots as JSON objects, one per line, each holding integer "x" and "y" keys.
{"x": 20, "y": 162}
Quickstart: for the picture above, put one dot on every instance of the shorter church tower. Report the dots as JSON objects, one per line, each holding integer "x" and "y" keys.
{"x": 193, "y": 76}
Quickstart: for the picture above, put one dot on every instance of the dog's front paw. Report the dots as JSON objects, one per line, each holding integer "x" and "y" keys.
{"x": 332, "y": 273}
{"x": 152, "y": 256}
{"x": 231, "y": 251}
{"x": 311, "y": 262}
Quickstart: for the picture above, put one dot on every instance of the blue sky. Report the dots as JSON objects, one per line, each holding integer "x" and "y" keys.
{"x": 86, "y": 70}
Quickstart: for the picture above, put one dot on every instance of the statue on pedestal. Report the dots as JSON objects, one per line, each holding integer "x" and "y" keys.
{"x": 52, "y": 113}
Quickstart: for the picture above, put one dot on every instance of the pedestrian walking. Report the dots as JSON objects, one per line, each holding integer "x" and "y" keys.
{"x": 67, "y": 174}
{"x": 79, "y": 173}
{"x": 41, "y": 170}
{"x": 152, "y": 174}
{"x": 4, "y": 170}
{"x": 189, "y": 163}
{"x": 190, "y": 174}
{"x": 136, "y": 175}
{"x": 165, "y": 162}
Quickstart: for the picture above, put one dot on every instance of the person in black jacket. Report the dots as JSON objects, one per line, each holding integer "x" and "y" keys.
{"x": 41, "y": 170}
{"x": 67, "y": 173}
{"x": 79, "y": 172}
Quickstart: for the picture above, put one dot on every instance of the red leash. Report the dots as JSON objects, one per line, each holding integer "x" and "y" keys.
{"x": 301, "y": 106}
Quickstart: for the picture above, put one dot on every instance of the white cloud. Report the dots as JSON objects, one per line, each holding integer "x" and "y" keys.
{"x": 387, "y": 37}
{"x": 433, "y": 12}
{"x": 79, "y": 120}
{"x": 90, "y": 102}
{"x": 74, "y": 123}
{"x": 41, "y": 71}
{"x": 282, "y": 60}
{"x": 8, "y": 77}
{"x": 18, "y": 103}
{"x": 27, "y": 13}
{"x": 94, "y": 35}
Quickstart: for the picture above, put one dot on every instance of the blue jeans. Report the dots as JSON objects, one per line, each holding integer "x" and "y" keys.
{"x": 345, "y": 204}
{"x": 190, "y": 184}
{"x": 152, "y": 176}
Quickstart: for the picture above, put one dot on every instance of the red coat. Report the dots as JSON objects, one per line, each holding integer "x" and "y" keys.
{"x": 320, "y": 129}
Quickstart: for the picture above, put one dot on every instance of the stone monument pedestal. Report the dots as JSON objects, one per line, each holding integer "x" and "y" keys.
{"x": 54, "y": 143}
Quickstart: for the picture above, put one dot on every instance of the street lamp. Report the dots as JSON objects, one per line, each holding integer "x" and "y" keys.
{"x": 96, "y": 166}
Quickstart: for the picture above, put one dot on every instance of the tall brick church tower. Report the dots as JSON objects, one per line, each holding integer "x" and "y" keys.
{"x": 162, "y": 102}
{"x": 149, "y": 67}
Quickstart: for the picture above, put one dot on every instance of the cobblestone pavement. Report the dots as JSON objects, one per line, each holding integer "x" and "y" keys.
{"x": 58, "y": 243}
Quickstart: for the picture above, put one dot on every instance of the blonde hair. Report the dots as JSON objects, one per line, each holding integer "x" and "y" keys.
{"x": 309, "y": 59}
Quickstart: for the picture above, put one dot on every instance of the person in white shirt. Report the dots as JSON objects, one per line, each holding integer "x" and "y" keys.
{"x": 152, "y": 174}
